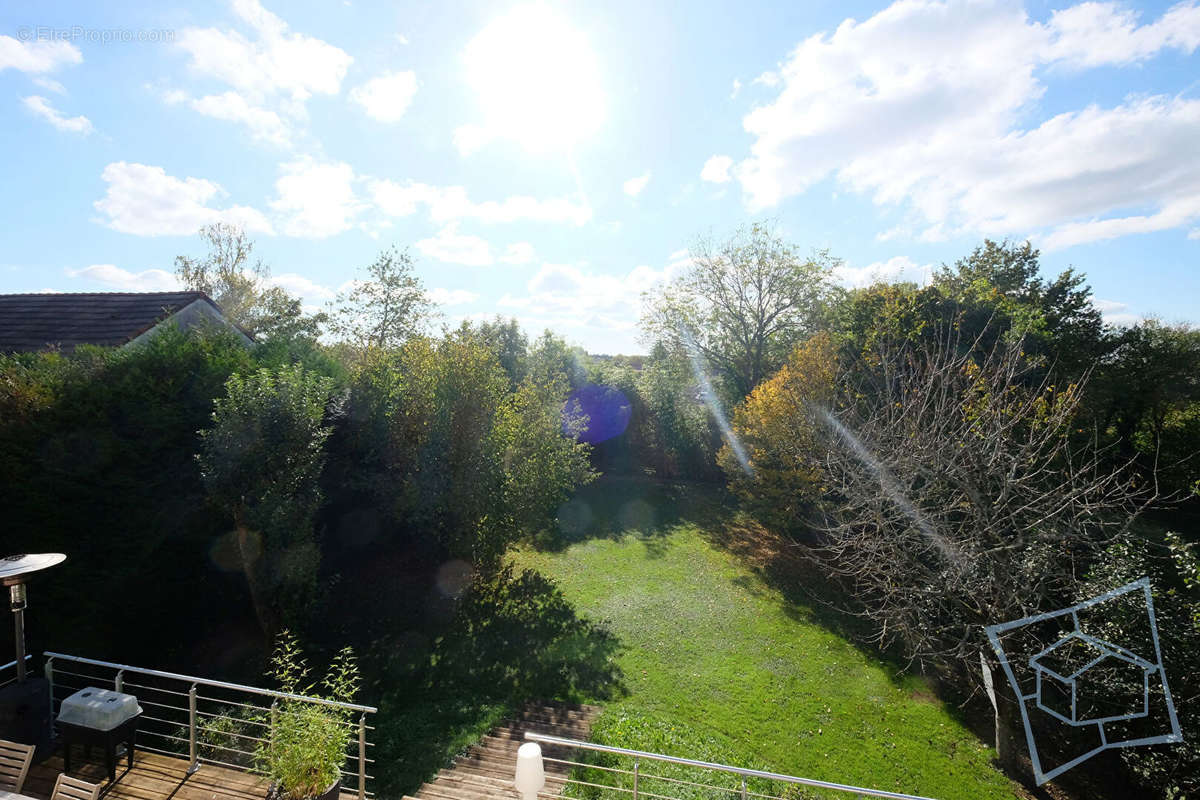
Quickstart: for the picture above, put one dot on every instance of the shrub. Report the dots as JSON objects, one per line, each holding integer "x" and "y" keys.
{"x": 260, "y": 462}
{"x": 782, "y": 436}
{"x": 307, "y": 743}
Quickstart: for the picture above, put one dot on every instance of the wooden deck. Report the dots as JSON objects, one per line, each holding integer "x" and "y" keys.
{"x": 153, "y": 777}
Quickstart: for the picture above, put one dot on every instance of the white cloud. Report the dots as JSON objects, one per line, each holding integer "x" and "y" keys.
{"x": 457, "y": 248}
{"x": 1194, "y": 233}
{"x": 273, "y": 62}
{"x": 1115, "y": 313}
{"x": 716, "y": 169}
{"x": 634, "y": 186}
{"x": 302, "y": 287}
{"x": 567, "y": 296}
{"x": 49, "y": 84}
{"x": 316, "y": 199}
{"x": 1094, "y": 34}
{"x": 386, "y": 97}
{"x": 518, "y": 253}
{"x": 737, "y": 87}
{"x": 41, "y": 106}
{"x": 452, "y": 297}
{"x": 898, "y": 269}
{"x": 770, "y": 79}
{"x": 1173, "y": 215}
{"x": 923, "y": 103}
{"x": 264, "y": 124}
{"x": 469, "y": 138}
{"x": 39, "y": 55}
{"x": 150, "y": 280}
{"x": 446, "y": 203}
{"x": 146, "y": 201}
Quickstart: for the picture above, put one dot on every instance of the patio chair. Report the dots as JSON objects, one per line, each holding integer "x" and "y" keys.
{"x": 14, "y": 765}
{"x": 68, "y": 788}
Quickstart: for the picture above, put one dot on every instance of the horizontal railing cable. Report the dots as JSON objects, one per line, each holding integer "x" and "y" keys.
{"x": 743, "y": 772}
{"x": 207, "y": 728}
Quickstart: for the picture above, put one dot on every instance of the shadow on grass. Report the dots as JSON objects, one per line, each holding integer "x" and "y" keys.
{"x": 513, "y": 638}
{"x": 616, "y": 507}
{"x": 809, "y": 595}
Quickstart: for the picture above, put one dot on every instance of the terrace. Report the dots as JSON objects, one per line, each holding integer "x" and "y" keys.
{"x": 196, "y": 737}
{"x": 183, "y": 753}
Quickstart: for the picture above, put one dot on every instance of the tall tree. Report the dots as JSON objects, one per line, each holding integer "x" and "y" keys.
{"x": 510, "y": 344}
{"x": 741, "y": 306}
{"x": 240, "y": 285}
{"x": 387, "y": 308}
{"x": 261, "y": 462}
{"x": 1002, "y": 282}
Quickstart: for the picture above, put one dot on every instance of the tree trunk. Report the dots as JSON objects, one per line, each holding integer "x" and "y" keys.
{"x": 249, "y": 559}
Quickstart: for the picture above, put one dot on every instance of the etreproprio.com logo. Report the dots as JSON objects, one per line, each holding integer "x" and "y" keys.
{"x": 1089, "y": 678}
{"x": 81, "y": 34}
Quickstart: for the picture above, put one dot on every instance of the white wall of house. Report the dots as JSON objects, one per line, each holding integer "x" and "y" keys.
{"x": 197, "y": 314}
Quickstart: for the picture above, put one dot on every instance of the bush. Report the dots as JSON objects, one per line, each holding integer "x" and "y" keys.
{"x": 1173, "y": 569}
{"x": 433, "y": 436}
{"x": 306, "y": 747}
{"x": 260, "y": 462}
{"x": 782, "y": 436}
{"x": 96, "y": 454}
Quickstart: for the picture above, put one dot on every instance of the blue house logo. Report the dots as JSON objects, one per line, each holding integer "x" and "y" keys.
{"x": 1089, "y": 678}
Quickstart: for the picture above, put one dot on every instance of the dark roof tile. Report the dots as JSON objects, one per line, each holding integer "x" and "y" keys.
{"x": 30, "y": 322}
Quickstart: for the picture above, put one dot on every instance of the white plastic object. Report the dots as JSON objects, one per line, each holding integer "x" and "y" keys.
{"x": 531, "y": 774}
{"x": 98, "y": 709}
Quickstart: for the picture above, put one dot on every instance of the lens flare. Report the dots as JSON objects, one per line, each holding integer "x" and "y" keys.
{"x": 606, "y": 408}
{"x": 710, "y": 399}
{"x": 891, "y": 486}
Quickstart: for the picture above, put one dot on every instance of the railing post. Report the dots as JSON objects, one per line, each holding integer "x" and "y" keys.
{"x": 48, "y": 670}
{"x": 636, "y": 770}
{"x": 192, "y": 730}
{"x": 362, "y": 757}
{"x": 274, "y": 717}
{"x": 119, "y": 681}
{"x": 743, "y": 787}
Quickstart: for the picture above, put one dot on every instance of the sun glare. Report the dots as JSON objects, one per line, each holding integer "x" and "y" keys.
{"x": 537, "y": 79}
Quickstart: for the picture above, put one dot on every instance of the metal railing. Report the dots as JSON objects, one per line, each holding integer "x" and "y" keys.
{"x": 637, "y": 777}
{"x": 203, "y": 720}
{"x": 5, "y": 678}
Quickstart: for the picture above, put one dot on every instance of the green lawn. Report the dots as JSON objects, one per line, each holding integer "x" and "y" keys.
{"x": 718, "y": 665}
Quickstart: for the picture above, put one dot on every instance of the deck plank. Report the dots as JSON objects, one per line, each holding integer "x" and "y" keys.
{"x": 153, "y": 777}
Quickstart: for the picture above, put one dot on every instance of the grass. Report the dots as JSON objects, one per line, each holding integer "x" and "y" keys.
{"x": 718, "y": 665}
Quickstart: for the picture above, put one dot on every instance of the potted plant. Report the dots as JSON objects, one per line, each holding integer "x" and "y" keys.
{"x": 306, "y": 745}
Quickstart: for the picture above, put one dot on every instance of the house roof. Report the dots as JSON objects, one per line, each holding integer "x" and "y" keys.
{"x": 30, "y": 322}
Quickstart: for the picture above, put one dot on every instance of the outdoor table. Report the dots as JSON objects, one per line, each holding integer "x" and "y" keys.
{"x": 14, "y": 796}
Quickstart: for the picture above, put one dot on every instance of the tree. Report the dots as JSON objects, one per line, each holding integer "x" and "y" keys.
{"x": 958, "y": 496}
{"x": 1000, "y": 286}
{"x": 261, "y": 461}
{"x": 782, "y": 437}
{"x": 434, "y": 434}
{"x": 741, "y": 306}
{"x": 550, "y": 356}
{"x": 387, "y": 308}
{"x": 1158, "y": 422}
{"x": 241, "y": 286}
{"x": 510, "y": 344}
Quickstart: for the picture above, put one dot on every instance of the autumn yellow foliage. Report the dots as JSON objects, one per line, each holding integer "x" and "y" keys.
{"x": 778, "y": 428}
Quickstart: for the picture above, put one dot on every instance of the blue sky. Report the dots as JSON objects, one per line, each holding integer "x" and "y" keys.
{"x": 552, "y": 160}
